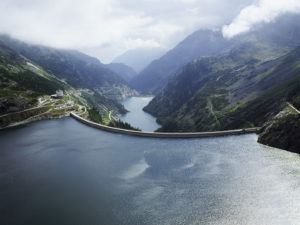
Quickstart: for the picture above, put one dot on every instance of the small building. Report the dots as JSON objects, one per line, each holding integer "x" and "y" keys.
{"x": 59, "y": 95}
{"x": 70, "y": 103}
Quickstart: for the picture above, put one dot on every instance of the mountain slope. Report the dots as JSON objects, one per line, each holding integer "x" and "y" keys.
{"x": 77, "y": 69}
{"x": 19, "y": 84}
{"x": 200, "y": 43}
{"x": 25, "y": 89}
{"x": 235, "y": 90}
{"x": 124, "y": 71}
{"x": 284, "y": 33}
{"x": 139, "y": 58}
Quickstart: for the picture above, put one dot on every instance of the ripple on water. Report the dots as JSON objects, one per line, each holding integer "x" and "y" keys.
{"x": 86, "y": 176}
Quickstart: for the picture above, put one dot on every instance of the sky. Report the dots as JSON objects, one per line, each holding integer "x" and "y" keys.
{"x": 107, "y": 28}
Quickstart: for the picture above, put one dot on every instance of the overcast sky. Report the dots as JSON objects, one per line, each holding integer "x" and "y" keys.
{"x": 107, "y": 28}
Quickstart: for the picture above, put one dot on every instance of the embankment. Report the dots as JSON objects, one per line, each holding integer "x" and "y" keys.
{"x": 17, "y": 117}
{"x": 165, "y": 135}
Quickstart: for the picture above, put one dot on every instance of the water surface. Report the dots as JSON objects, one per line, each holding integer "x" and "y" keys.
{"x": 62, "y": 172}
{"x": 136, "y": 116}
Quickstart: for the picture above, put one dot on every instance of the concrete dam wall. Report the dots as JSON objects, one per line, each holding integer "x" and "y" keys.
{"x": 165, "y": 135}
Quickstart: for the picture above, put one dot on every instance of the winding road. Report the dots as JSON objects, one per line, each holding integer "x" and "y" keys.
{"x": 293, "y": 108}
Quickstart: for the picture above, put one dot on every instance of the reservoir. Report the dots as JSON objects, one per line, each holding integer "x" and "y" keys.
{"x": 136, "y": 116}
{"x": 62, "y": 172}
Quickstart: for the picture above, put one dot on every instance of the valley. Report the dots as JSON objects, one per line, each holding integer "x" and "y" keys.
{"x": 136, "y": 116}
{"x": 230, "y": 84}
{"x": 149, "y": 112}
{"x": 205, "y": 83}
{"x": 30, "y": 73}
{"x": 54, "y": 167}
{"x": 47, "y": 108}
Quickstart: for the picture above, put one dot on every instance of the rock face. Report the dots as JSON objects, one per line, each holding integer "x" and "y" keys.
{"x": 227, "y": 92}
{"x": 243, "y": 87}
{"x": 283, "y": 132}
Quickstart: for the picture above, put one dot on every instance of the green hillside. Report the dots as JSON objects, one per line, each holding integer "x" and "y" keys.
{"x": 19, "y": 86}
{"x": 77, "y": 69}
{"x": 26, "y": 86}
{"x": 236, "y": 90}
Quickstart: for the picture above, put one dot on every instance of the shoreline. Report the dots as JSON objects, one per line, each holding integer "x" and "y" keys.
{"x": 32, "y": 119}
{"x": 164, "y": 135}
{"x": 135, "y": 133}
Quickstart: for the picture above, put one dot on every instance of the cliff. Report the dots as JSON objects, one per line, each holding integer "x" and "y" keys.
{"x": 283, "y": 131}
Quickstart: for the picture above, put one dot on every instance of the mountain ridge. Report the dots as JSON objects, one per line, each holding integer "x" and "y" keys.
{"x": 76, "y": 68}
{"x": 206, "y": 90}
{"x": 26, "y": 86}
{"x": 139, "y": 58}
{"x": 211, "y": 43}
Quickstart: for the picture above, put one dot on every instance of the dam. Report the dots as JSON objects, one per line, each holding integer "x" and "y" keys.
{"x": 64, "y": 172}
{"x": 165, "y": 135}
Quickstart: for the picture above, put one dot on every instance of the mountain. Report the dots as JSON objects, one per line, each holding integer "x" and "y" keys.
{"x": 28, "y": 83}
{"x": 200, "y": 43}
{"x": 21, "y": 82}
{"x": 77, "y": 69}
{"x": 124, "y": 71}
{"x": 243, "y": 87}
{"x": 283, "y": 32}
{"x": 139, "y": 58}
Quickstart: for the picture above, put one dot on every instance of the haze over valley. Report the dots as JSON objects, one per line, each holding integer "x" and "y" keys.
{"x": 98, "y": 98}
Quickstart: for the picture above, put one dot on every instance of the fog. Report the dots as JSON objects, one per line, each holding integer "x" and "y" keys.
{"x": 107, "y": 28}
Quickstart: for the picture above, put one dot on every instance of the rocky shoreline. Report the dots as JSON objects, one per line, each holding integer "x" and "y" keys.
{"x": 283, "y": 131}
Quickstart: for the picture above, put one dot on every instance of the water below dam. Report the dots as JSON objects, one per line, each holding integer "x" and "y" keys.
{"x": 63, "y": 172}
{"x": 136, "y": 116}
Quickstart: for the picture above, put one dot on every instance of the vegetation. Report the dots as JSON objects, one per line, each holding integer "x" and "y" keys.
{"x": 28, "y": 80}
{"x": 46, "y": 70}
{"x": 122, "y": 125}
{"x": 156, "y": 75}
{"x": 169, "y": 126}
{"x": 75, "y": 68}
{"x": 264, "y": 42}
{"x": 94, "y": 115}
{"x": 21, "y": 116}
{"x": 264, "y": 107}
{"x": 227, "y": 92}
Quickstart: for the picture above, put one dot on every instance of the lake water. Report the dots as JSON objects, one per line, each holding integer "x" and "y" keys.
{"x": 136, "y": 116}
{"x": 62, "y": 172}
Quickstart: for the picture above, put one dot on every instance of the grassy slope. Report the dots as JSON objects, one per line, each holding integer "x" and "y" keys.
{"x": 257, "y": 111}
{"x": 75, "y": 68}
{"x": 20, "y": 87}
{"x": 22, "y": 81}
{"x": 214, "y": 105}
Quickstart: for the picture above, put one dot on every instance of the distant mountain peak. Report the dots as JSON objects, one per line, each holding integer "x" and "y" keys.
{"x": 139, "y": 58}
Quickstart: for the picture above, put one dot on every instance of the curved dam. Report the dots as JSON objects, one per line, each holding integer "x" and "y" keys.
{"x": 165, "y": 135}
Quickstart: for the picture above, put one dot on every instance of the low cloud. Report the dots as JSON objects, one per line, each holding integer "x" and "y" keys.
{"x": 262, "y": 11}
{"x": 107, "y": 28}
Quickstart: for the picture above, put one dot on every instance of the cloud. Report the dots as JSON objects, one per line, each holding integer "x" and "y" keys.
{"x": 263, "y": 11}
{"x": 139, "y": 43}
{"x": 109, "y": 27}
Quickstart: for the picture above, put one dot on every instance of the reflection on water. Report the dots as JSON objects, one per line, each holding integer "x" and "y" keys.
{"x": 136, "y": 169}
{"x": 136, "y": 116}
{"x": 63, "y": 172}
